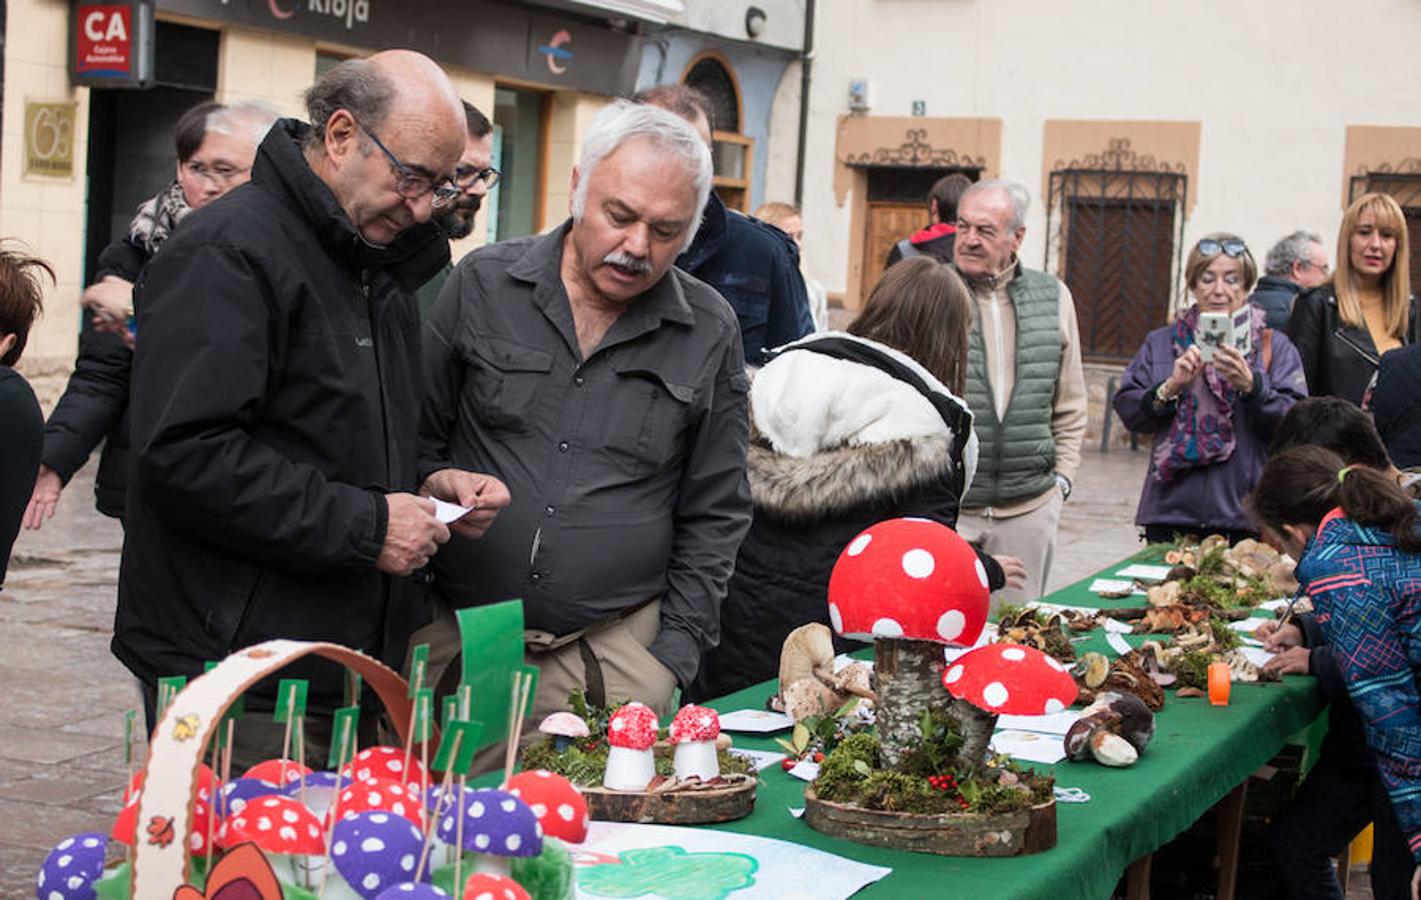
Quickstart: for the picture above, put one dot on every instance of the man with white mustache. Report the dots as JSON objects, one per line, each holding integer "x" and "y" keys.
{"x": 608, "y": 390}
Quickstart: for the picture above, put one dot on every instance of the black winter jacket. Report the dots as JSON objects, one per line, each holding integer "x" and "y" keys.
{"x": 276, "y": 394}
{"x": 755, "y": 267}
{"x": 1275, "y": 296}
{"x": 1396, "y": 406}
{"x": 94, "y": 406}
{"x": 860, "y": 471}
{"x": 1338, "y": 360}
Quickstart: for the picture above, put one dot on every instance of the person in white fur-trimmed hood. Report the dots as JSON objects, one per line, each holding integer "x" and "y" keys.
{"x": 848, "y": 429}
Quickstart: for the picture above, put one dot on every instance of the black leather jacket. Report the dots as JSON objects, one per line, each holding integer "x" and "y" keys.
{"x": 1338, "y": 360}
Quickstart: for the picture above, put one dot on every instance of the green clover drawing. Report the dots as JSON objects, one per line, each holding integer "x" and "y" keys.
{"x": 670, "y": 872}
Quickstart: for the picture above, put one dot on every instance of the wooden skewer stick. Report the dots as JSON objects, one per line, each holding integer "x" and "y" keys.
{"x": 286, "y": 737}
{"x": 522, "y": 687}
{"x": 213, "y": 804}
{"x": 459, "y": 840}
{"x": 443, "y": 795}
{"x": 414, "y": 714}
{"x": 334, "y": 811}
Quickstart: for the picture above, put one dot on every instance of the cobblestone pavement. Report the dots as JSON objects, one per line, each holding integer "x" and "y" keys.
{"x": 61, "y": 730}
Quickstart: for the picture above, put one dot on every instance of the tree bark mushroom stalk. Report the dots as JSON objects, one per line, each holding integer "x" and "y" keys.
{"x": 907, "y": 680}
{"x": 976, "y": 727}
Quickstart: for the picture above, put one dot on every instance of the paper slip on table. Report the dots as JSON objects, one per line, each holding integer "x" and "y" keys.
{"x": 1201, "y": 755}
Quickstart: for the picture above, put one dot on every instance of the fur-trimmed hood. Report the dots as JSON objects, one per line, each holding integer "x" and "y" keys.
{"x": 830, "y": 434}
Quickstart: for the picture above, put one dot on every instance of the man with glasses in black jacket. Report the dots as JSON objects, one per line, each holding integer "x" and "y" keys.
{"x": 475, "y": 176}
{"x": 275, "y": 400}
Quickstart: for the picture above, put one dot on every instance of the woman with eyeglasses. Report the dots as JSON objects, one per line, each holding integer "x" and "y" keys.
{"x": 215, "y": 147}
{"x": 1210, "y": 408}
{"x": 1343, "y": 328}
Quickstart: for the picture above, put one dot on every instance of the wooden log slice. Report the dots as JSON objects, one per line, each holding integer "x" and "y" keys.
{"x": 953, "y": 834}
{"x": 699, "y": 807}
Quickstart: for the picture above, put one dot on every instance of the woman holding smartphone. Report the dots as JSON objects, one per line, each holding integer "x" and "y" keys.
{"x": 1343, "y": 327}
{"x": 1211, "y": 418}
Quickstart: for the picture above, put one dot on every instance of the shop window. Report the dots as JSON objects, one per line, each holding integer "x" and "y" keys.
{"x": 732, "y": 152}
{"x": 519, "y": 143}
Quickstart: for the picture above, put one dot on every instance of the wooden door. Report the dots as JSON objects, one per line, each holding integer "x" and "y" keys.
{"x": 888, "y": 223}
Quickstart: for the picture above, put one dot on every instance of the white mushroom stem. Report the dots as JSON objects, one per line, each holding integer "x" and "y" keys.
{"x": 696, "y": 758}
{"x": 629, "y": 769}
{"x": 493, "y": 865}
{"x": 909, "y": 681}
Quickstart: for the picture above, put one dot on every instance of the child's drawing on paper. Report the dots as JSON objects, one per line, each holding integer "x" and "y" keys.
{"x": 669, "y": 872}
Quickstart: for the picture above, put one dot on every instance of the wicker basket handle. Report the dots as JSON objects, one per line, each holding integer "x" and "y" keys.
{"x": 188, "y": 726}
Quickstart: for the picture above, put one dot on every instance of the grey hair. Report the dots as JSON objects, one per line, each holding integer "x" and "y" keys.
{"x": 356, "y": 86}
{"x": 622, "y": 121}
{"x": 1288, "y": 250}
{"x": 1016, "y": 192}
{"x": 248, "y": 120}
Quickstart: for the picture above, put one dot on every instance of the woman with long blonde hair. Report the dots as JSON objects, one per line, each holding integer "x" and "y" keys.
{"x": 1343, "y": 327}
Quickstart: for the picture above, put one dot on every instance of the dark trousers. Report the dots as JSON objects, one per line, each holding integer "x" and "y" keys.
{"x": 1335, "y": 802}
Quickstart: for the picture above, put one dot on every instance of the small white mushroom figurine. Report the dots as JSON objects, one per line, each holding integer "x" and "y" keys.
{"x": 630, "y": 733}
{"x": 563, "y": 728}
{"x": 693, "y": 733}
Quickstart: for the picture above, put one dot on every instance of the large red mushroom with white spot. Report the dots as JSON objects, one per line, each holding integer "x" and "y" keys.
{"x": 909, "y": 585}
{"x": 1003, "y": 678}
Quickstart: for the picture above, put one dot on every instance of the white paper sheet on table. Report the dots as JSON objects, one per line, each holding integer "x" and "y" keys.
{"x": 1144, "y": 572}
{"x": 1049, "y": 608}
{"x": 1030, "y": 746}
{"x": 755, "y": 721}
{"x": 1115, "y": 625}
{"x": 805, "y": 770}
{"x": 1117, "y": 642}
{"x": 1114, "y": 586}
{"x": 449, "y": 512}
{"x": 843, "y": 661}
{"x": 1275, "y": 604}
{"x": 760, "y": 759}
{"x": 1250, "y": 625}
{"x": 988, "y": 635}
{"x": 1256, "y": 655}
{"x": 675, "y": 863}
{"x": 1052, "y": 723}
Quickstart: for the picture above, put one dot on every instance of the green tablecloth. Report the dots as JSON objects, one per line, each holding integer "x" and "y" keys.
{"x": 1199, "y": 754}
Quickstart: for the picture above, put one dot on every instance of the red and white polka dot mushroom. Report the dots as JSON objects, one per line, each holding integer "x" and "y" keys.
{"x": 693, "y": 733}
{"x": 559, "y": 805}
{"x": 289, "y": 834}
{"x": 1004, "y": 678}
{"x": 386, "y": 762}
{"x": 631, "y": 731}
{"x": 909, "y": 585}
{"x": 381, "y": 795}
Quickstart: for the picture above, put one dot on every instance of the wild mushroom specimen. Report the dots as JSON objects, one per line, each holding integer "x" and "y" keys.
{"x": 809, "y": 686}
{"x": 497, "y": 826}
{"x": 279, "y": 772}
{"x": 564, "y": 727}
{"x": 374, "y": 851}
{"x": 1002, "y": 678}
{"x": 693, "y": 732}
{"x": 559, "y": 805}
{"x": 1114, "y": 730}
{"x": 630, "y": 733}
{"x": 71, "y": 868}
{"x": 908, "y": 585}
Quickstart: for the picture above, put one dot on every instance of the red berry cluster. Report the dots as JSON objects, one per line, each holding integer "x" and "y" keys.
{"x": 948, "y": 784}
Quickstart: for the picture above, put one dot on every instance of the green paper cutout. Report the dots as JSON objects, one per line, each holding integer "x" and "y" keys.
{"x": 466, "y": 735}
{"x": 353, "y": 686}
{"x": 345, "y": 731}
{"x": 491, "y": 638}
{"x": 168, "y": 688}
{"x": 419, "y": 668}
{"x": 130, "y": 718}
{"x": 290, "y": 699}
{"x": 423, "y": 724}
{"x": 670, "y": 872}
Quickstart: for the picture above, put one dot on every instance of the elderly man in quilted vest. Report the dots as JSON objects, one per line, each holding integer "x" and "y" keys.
{"x": 1024, "y": 384}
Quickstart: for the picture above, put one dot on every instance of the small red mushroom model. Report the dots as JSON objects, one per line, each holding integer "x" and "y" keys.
{"x": 559, "y": 805}
{"x": 908, "y": 585}
{"x": 630, "y": 733}
{"x": 1003, "y": 678}
{"x": 693, "y": 732}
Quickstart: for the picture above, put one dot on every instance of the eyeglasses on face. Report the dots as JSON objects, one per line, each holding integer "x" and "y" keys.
{"x": 410, "y": 184}
{"x": 1210, "y": 247}
{"x": 465, "y": 177}
{"x": 1324, "y": 268}
{"x": 220, "y": 174}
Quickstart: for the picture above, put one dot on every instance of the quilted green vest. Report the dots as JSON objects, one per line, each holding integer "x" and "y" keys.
{"x": 1017, "y": 456}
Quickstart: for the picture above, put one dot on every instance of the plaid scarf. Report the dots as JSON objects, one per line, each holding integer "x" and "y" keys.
{"x": 157, "y": 217}
{"x": 1202, "y": 432}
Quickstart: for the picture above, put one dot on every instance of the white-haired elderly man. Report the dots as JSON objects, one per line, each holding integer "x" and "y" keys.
{"x": 1025, "y": 385}
{"x": 608, "y": 391}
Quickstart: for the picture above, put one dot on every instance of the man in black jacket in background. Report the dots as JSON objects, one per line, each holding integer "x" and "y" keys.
{"x": 276, "y": 392}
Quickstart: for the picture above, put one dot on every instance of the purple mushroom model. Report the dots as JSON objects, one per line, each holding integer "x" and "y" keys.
{"x": 72, "y": 867}
{"x": 373, "y": 851}
{"x": 238, "y": 792}
{"x": 498, "y": 826}
{"x": 410, "y": 891}
{"x": 320, "y": 789}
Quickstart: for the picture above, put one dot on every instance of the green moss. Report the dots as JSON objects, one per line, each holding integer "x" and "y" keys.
{"x": 1192, "y": 669}
{"x": 585, "y": 762}
{"x": 1225, "y": 638}
{"x": 898, "y": 792}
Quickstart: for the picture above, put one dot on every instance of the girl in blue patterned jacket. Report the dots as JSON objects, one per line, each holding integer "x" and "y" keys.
{"x": 1354, "y": 532}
